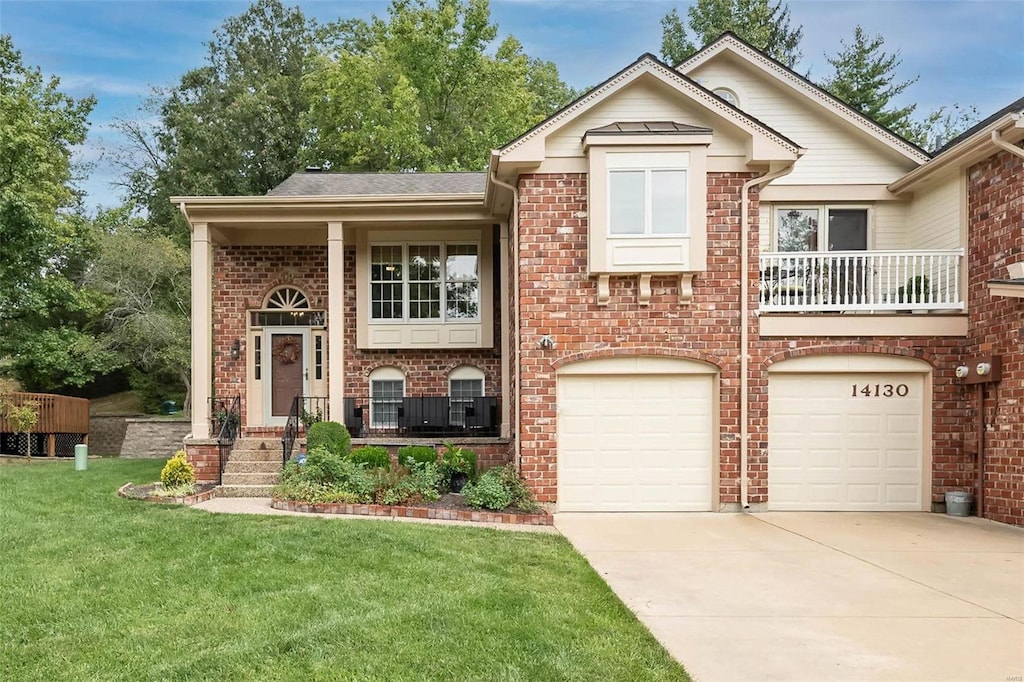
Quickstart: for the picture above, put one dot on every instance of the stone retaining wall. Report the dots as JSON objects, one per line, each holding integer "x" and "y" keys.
{"x": 153, "y": 438}
{"x": 106, "y": 433}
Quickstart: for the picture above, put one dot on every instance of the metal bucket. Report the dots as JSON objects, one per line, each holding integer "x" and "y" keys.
{"x": 958, "y": 503}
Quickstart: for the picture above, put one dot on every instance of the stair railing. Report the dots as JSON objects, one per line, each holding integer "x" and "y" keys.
{"x": 291, "y": 429}
{"x": 227, "y": 420}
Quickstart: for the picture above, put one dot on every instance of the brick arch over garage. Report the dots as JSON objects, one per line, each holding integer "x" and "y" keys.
{"x": 851, "y": 349}
{"x": 635, "y": 351}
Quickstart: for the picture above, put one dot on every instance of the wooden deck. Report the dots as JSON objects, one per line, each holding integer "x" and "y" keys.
{"x": 59, "y": 415}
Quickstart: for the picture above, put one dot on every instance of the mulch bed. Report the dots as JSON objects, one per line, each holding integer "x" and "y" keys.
{"x": 204, "y": 492}
{"x": 450, "y": 507}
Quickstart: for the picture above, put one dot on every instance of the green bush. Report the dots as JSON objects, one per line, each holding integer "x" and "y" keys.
{"x": 373, "y": 456}
{"x": 500, "y": 488}
{"x": 488, "y": 493}
{"x": 314, "y": 493}
{"x": 178, "y": 472}
{"x": 325, "y": 477}
{"x": 418, "y": 482}
{"x": 330, "y": 435}
{"x": 423, "y": 454}
{"x": 456, "y": 460}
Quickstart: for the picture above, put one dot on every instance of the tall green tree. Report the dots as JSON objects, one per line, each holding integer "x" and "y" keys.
{"x": 941, "y": 125}
{"x": 765, "y": 25}
{"x": 47, "y": 321}
{"x": 864, "y": 76}
{"x": 231, "y": 126}
{"x": 424, "y": 88}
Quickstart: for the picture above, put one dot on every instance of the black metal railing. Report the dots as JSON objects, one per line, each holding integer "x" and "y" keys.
{"x": 226, "y": 419}
{"x": 305, "y": 410}
{"x": 424, "y": 416}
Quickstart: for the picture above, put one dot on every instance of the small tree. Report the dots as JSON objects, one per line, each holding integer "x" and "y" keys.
{"x": 22, "y": 417}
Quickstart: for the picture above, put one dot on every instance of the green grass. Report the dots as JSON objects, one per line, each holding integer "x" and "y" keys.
{"x": 97, "y": 587}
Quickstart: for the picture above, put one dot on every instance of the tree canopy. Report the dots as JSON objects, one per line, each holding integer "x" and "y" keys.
{"x": 764, "y": 25}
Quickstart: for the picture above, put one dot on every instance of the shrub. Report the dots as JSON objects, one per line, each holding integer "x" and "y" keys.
{"x": 488, "y": 493}
{"x": 178, "y": 472}
{"x": 373, "y": 456}
{"x": 500, "y": 488}
{"x": 417, "y": 482}
{"x": 456, "y": 460}
{"x": 330, "y": 435}
{"x": 325, "y": 477}
{"x": 423, "y": 454}
{"x": 315, "y": 493}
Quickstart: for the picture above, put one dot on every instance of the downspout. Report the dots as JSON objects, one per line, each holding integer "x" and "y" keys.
{"x": 745, "y": 323}
{"x": 514, "y": 226}
{"x": 998, "y": 141}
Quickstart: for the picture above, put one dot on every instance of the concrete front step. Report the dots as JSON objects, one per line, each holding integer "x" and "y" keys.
{"x": 249, "y": 479}
{"x": 248, "y": 455}
{"x": 234, "y": 466}
{"x": 244, "y": 490}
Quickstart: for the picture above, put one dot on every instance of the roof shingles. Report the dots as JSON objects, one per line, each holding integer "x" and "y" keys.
{"x": 314, "y": 184}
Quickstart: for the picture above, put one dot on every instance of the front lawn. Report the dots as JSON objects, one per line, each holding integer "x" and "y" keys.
{"x": 97, "y": 587}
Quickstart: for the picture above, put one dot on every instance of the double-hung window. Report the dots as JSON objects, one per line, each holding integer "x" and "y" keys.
{"x": 437, "y": 282}
{"x": 647, "y": 202}
{"x": 464, "y": 384}
{"x": 387, "y": 388}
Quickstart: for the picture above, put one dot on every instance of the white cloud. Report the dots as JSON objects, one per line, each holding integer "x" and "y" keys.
{"x": 105, "y": 85}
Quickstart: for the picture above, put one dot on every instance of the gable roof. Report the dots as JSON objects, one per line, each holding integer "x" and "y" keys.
{"x": 730, "y": 42}
{"x": 313, "y": 183}
{"x": 649, "y": 64}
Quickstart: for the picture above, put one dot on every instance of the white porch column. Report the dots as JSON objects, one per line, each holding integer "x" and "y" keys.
{"x": 336, "y": 322}
{"x": 506, "y": 320}
{"x": 202, "y": 330}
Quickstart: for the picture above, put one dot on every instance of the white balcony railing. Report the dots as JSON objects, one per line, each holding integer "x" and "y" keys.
{"x": 840, "y": 281}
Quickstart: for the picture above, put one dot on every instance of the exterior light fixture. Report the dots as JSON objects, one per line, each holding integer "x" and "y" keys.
{"x": 236, "y": 349}
{"x": 546, "y": 342}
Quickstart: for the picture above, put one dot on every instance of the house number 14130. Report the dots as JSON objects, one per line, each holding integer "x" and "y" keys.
{"x": 880, "y": 390}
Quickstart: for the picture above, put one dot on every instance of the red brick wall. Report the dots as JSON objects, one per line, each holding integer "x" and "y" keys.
{"x": 996, "y": 224}
{"x": 243, "y": 275}
{"x": 558, "y": 298}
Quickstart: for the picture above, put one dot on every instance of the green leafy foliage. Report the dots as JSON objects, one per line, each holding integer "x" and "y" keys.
{"x": 178, "y": 471}
{"x": 457, "y": 461}
{"x": 331, "y": 436}
{"x": 864, "y": 77}
{"x": 500, "y": 488}
{"x": 417, "y": 453}
{"x": 761, "y": 23}
{"x": 327, "y": 477}
{"x": 373, "y": 456}
{"x": 418, "y": 482}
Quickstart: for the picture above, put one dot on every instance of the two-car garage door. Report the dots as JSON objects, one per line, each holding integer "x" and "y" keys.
{"x": 633, "y": 440}
{"x": 847, "y": 440}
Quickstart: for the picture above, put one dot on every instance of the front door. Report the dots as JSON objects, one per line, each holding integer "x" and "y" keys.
{"x": 288, "y": 371}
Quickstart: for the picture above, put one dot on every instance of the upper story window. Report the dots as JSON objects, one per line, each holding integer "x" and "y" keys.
{"x": 647, "y": 194}
{"x": 801, "y": 228}
{"x": 728, "y": 95}
{"x": 436, "y": 282}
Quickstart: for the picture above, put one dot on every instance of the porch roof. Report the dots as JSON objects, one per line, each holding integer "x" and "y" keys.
{"x": 314, "y": 182}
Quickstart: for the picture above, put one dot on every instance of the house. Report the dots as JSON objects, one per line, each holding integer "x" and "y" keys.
{"x": 713, "y": 287}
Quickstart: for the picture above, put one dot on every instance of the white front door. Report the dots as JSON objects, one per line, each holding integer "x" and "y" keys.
{"x": 286, "y": 367}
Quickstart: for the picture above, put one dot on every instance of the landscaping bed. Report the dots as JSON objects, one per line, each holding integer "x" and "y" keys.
{"x": 154, "y": 492}
{"x": 450, "y": 507}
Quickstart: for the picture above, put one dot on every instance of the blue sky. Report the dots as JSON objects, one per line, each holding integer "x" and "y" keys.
{"x": 971, "y": 53}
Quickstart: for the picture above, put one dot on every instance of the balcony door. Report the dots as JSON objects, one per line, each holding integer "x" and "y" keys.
{"x": 801, "y": 229}
{"x": 287, "y": 367}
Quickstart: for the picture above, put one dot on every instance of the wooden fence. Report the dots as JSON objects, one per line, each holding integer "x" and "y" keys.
{"x": 58, "y": 414}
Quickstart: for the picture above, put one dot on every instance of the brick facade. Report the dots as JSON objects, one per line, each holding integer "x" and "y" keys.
{"x": 559, "y": 299}
{"x": 996, "y": 224}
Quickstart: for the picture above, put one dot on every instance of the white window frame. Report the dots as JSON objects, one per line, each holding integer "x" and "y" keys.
{"x": 381, "y": 374}
{"x": 443, "y": 319}
{"x": 823, "y": 223}
{"x": 649, "y": 164}
{"x": 457, "y": 415}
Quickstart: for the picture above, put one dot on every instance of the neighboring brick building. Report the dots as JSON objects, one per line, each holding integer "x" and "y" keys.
{"x": 706, "y": 288}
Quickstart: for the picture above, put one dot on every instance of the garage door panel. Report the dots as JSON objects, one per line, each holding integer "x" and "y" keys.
{"x": 640, "y": 442}
{"x": 833, "y": 446}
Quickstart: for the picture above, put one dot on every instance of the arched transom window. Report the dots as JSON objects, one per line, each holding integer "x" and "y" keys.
{"x": 287, "y": 298}
{"x": 287, "y": 307}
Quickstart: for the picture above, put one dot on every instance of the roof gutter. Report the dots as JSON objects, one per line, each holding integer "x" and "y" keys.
{"x": 998, "y": 141}
{"x": 745, "y": 324}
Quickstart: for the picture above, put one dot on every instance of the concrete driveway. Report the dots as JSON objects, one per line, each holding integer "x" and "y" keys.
{"x": 818, "y": 596}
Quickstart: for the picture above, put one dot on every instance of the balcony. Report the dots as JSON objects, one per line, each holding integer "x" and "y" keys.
{"x": 861, "y": 281}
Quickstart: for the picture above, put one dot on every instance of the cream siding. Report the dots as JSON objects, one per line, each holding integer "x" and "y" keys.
{"x": 933, "y": 217}
{"x": 888, "y": 229}
{"x": 836, "y": 152}
{"x": 646, "y": 100}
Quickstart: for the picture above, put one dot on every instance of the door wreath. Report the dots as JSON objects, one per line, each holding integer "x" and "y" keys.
{"x": 287, "y": 351}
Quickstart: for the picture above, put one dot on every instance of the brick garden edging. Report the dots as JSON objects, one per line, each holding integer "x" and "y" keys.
{"x": 414, "y": 513}
{"x": 187, "y": 500}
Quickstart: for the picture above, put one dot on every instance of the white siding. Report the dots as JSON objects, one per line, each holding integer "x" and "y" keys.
{"x": 889, "y": 228}
{"x": 836, "y": 152}
{"x": 644, "y": 100}
{"x": 933, "y": 217}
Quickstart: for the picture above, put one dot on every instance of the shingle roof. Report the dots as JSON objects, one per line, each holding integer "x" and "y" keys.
{"x": 649, "y": 128}
{"x": 319, "y": 183}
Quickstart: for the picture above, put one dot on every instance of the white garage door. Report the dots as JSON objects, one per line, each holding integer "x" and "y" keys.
{"x": 635, "y": 443}
{"x": 845, "y": 442}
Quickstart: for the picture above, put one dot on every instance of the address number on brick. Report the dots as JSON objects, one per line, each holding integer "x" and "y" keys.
{"x": 880, "y": 391}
